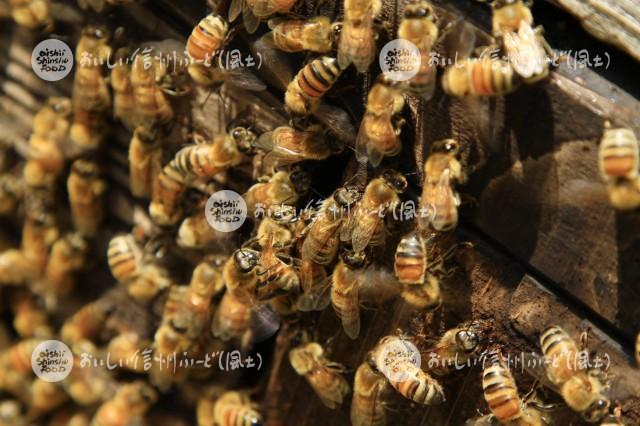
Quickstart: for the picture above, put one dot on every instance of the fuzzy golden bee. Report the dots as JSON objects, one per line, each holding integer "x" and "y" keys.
{"x": 240, "y": 272}
{"x": 124, "y": 255}
{"x": 366, "y": 226}
{"x": 120, "y": 79}
{"x": 275, "y": 227}
{"x": 413, "y": 267}
{"x": 207, "y": 38}
{"x": 283, "y": 188}
{"x": 379, "y": 132}
{"x": 419, "y": 27}
{"x": 232, "y": 408}
{"x": 90, "y": 88}
{"x": 392, "y": 357}
{"x": 367, "y": 405}
{"x": 145, "y": 161}
{"x": 128, "y": 405}
{"x": 86, "y": 323}
{"x": 68, "y": 255}
{"x": 316, "y": 34}
{"x": 86, "y": 190}
{"x": 286, "y": 145}
{"x": 32, "y": 14}
{"x": 439, "y": 201}
{"x": 582, "y": 390}
{"x": 346, "y": 281}
{"x": 501, "y": 393}
{"x": 201, "y": 160}
{"x": 278, "y": 276}
{"x": 322, "y": 241}
{"x": 619, "y": 163}
{"x": 457, "y": 345}
{"x": 152, "y": 107}
{"x": 310, "y": 84}
{"x": 357, "y": 42}
{"x": 525, "y": 46}
{"x": 323, "y": 375}
{"x": 480, "y": 77}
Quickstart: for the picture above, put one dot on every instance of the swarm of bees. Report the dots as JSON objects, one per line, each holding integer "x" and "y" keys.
{"x": 171, "y": 287}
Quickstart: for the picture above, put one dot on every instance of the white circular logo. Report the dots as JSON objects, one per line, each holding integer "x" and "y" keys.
{"x": 226, "y": 211}
{"x": 400, "y": 59}
{"x": 398, "y": 359}
{"x": 52, "y": 360}
{"x": 52, "y": 60}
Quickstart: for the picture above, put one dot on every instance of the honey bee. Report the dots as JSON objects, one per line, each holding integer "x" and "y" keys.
{"x": 366, "y": 227}
{"x": 367, "y": 405}
{"x": 439, "y": 200}
{"x": 11, "y": 191}
{"x": 323, "y": 238}
{"x": 296, "y": 35}
{"x": 127, "y": 406}
{"x": 29, "y": 319}
{"x": 32, "y": 14}
{"x": 380, "y": 127}
{"x": 86, "y": 189}
{"x": 201, "y": 160}
{"x": 581, "y": 390}
{"x": 207, "y": 38}
{"x": 619, "y": 163}
{"x": 418, "y": 386}
{"x": 277, "y": 277}
{"x": 68, "y": 255}
{"x": 152, "y": 106}
{"x": 123, "y": 100}
{"x": 232, "y": 408}
{"x": 86, "y": 323}
{"x": 86, "y": 385}
{"x": 275, "y": 227}
{"x": 88, "y": 130}
{"x": 286, "y": 145}
{"x": 145, "y": 161}
{"x": 90, "y": 88}
{"x": 195, "y": 232}
{"x": 124, "y": 256}
{"x": 638, "y": 349}
{"x": 283, "y": 188}
{"x": 346, "y": 281}
{"x": 459, "y": 344}
{"x": 357, "y": 42}
{"x": 240, "y": 272}
{"x": 38, "y": 235}
{"x": 419, "y": 27}
{"x": 153, "y": 277}
{"x": 316, "y": 287}
{"x": 525, "y": 47}
{"x": 480, "y": 77}
{"x": 412, "y": 265}
{"x": 501, "y": 394}
{"x": 323, "y": 375}
{"x": 127, "y": 346}
{"x": 312, "y": 81}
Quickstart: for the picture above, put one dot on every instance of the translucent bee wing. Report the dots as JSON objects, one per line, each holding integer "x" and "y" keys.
{"x": 242, "y": 78}
{"x": 235, "y": 9}
{"x": 525, "y": 53}
{"x": 251, "y": 21}
{"x": 330, "y": 397}
{"x": 265, "y": 322}
{"x": 363, "y": 232}
{"x": 316, "y": 294}
{"x": 337, "y": 121}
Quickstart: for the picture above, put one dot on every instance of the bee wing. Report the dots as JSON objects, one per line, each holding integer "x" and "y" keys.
{"x": 276, "y": 65}
{"x": 265, "y": 322}
{"x": 337, "y": 121}
{"x": 524, "y": 51}
{"x": 364, "y": 230}
{"x": 242, "y": 78}
{"x": 357, "y": 43}
{"x": 329, "y": 397}
{"x": 235, "y": 9}
{"x": 251, "y": 21}
{"x": 316, "y": 294}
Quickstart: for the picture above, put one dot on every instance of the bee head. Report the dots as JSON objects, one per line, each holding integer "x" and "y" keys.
{"x": 284, "y": 214}
{"x": 148, "y": 137}
{"x": 345, "y": 198}
{"x": 246, "y": 260}
{"x": 446, "y": 146}
{"x": 395, "y": 180}
{"x": 419, "y": 10}
{"x": 98, "y": 32}
{"x": 244, "y": 139}
{"x": 60, "y": 106}
{"x": 300, "y": 180}
{"x": 468, "y": 340}
{"x": 597, "y": 410}
{"x": 354, "y": 260}
{"x": 84, "y": 168}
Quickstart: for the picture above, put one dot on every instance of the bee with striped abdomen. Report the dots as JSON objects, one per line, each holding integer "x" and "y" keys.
{"x": 439, "y": 201}
{"x": 357, "y": 42}
{"x": 316, "y": 34}
{"x": 367, "y": 405}
{"x": 145, "y": 161}
{"x": 480, "y": 77}
{"x": 414, "y": 267}
{"x": 323, "y": 375}
{"x": 619, "y": 164}
{"x": 310, "y": 84}
{"x": 86, "y": 190}
{"x": 283, "y": 188}
{"x": 346, "y": 281}
{"x": 232, "y": 408}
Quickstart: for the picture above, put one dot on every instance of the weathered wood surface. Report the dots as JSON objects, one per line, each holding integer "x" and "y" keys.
{"x": 613, "y": 21}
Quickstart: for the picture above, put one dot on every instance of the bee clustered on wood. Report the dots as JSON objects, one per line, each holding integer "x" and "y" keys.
{"x": 335, "y": 221}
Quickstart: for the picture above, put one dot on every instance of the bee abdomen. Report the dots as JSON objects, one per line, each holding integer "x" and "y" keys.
{"x": 501, "y": 393}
